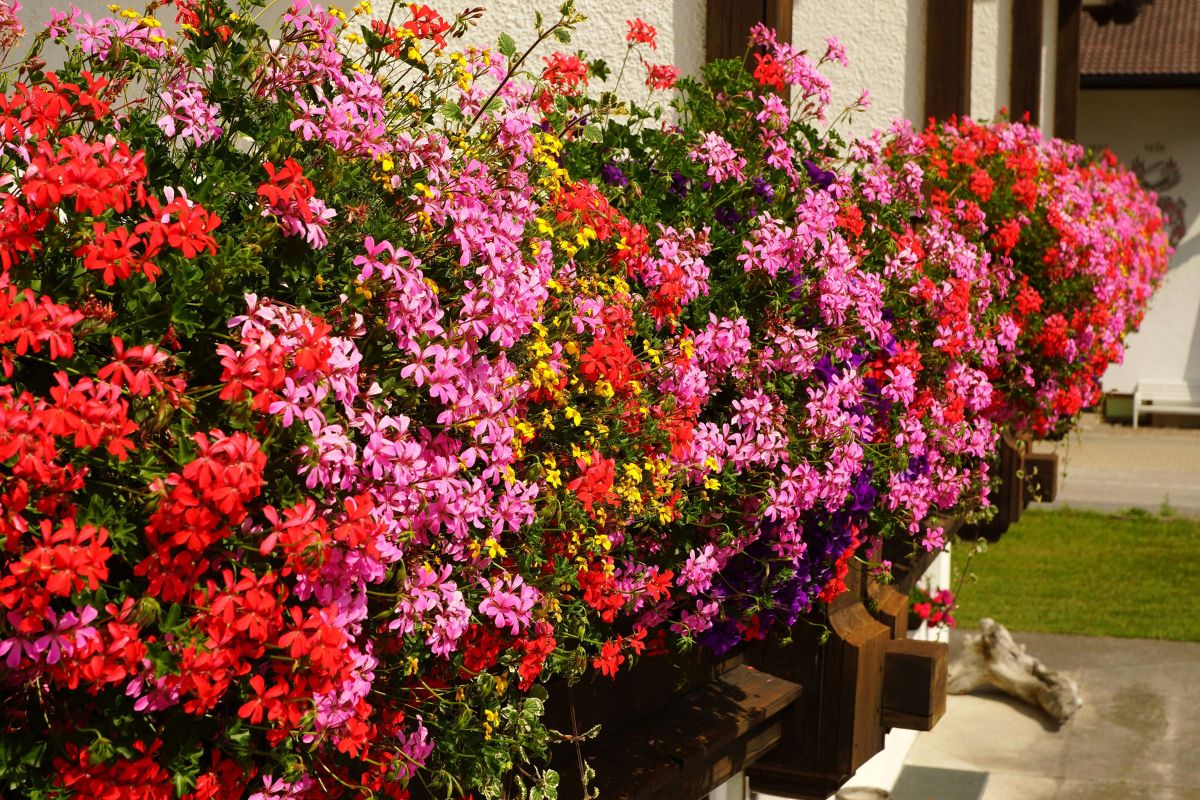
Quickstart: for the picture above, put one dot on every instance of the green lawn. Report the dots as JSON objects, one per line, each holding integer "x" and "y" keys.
{"x": 1131, "y": 574}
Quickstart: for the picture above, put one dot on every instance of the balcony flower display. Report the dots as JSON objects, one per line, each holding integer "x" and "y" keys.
{"x": 357, "y": 385}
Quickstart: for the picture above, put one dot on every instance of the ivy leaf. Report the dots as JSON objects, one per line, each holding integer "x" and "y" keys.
{"x": 507, "y": 44}
{"x": 563, "y": 35}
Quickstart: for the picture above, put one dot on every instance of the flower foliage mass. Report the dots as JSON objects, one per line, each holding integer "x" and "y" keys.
{"x": 356, "y": 387}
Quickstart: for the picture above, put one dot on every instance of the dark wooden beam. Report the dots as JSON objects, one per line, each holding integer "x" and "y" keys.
{"x": 778, "y": 15}
{"x": 948, "y": 58}
{"x": 1066, "y": 70}
{"x": 729, "y": 23}
{"x": 1025, "y": 77}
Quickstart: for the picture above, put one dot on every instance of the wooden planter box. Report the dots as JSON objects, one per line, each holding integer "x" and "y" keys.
{"x": 1022, "y": 477}
{"x": 799, "y": 717}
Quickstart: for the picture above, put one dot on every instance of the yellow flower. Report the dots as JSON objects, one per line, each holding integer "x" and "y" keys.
{"x": 554, "y": 478}
{"x": 493, "y": 548}
{"x": 574, "y": 416}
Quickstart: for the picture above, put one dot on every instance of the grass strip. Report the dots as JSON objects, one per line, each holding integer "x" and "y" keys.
{"x": 1130, "y": 574}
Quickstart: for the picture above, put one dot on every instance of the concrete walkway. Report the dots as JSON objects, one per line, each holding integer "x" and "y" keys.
{"x": 1137, "y": 736}
{"x": 1109, "y": 467}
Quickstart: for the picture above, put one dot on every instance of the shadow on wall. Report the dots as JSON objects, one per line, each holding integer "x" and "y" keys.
{"x": 690, "y": 24}
{"x": 914, "y": 40}
{"x": 1158, "y": 171}
{"x": 1189, "y": 250}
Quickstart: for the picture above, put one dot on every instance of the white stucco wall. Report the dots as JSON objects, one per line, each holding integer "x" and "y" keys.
{"x": 1154, "y": 124}
{"x": 885, "y": 43}
{"x": 680, "y": 25}
{"x": 991, "y": 57}
{"x": 1049, "y": 57}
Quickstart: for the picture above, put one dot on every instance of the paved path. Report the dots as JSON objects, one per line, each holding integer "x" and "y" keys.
{"x": 1137, "y": 736}
{"x": 1109, "y": 467}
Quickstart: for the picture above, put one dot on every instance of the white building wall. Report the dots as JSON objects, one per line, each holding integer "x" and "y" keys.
{"x": 1049, "y": 57}
{"x": 991, "y": 57}
{"x": 680, "y": 25}
{"x": 885, "y": 43}
{"x": 1156, "y": 124}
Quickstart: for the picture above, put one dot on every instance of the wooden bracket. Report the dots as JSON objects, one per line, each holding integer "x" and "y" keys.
{"x": 1008, "y": 493}
{"x": 914, "y": 684}
{"x": 1041, "y": 477}
{"x": 841, "y": 723}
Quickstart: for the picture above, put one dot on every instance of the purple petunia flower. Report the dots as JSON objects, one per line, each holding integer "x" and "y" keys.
{"x": 821, "y": 177}
{"x": 611, "y": 174}
{"x": 680, "y": 184}
{"x": 763, "y": 188}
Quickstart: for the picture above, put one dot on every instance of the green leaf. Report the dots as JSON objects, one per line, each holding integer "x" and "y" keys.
{"x": 508, "y": 45}
{"x": 563, "y": 35}
{"x": 592, "y": 133}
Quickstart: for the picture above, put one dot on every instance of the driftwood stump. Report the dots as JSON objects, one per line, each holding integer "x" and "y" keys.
{"x": 992, "y": 658}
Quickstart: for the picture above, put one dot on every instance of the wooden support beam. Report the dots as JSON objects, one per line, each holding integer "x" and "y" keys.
{"x": 1066, "y": 70}
{"x": 729, "y": 23}
{"x": 778, "y": 16}
{"x": 1025, "y": 77}
{"x": 948, "y": 58}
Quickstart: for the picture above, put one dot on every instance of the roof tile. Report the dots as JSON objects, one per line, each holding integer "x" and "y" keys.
{"x": 1163, "y": 40}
